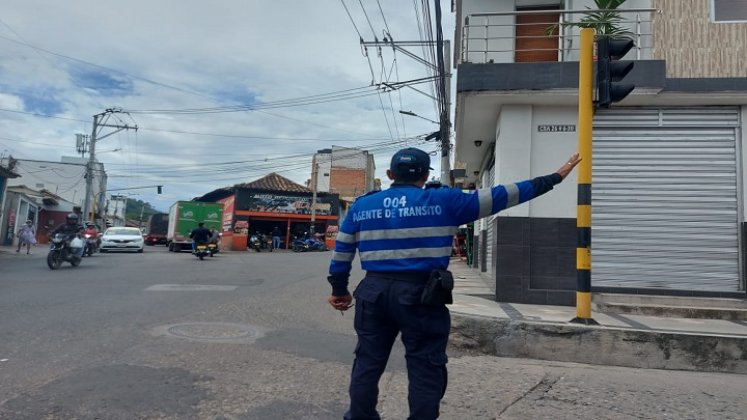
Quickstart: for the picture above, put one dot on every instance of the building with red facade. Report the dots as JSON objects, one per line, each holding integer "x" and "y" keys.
{"x": 272, "y": 202}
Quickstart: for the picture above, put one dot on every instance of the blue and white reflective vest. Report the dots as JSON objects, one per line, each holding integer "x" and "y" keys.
{"x": 409, "y": 229}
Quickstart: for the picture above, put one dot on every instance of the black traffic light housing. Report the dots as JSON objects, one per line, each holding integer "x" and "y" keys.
{"x": 159, "y": 188}
{"x": 610, "y": 70}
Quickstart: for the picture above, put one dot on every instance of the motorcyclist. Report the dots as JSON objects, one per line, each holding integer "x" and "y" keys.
{"x": 91, "y": 230}
{"x": 71, "y": 228}
{"x": 214, "y": 237}
{"x": 199, "y": 235}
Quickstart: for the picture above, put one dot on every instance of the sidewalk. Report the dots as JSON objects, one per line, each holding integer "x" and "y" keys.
{"x": 544, "y": 332}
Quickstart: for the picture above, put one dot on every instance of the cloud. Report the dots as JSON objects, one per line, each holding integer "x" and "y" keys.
{"x": 77, "y": 59}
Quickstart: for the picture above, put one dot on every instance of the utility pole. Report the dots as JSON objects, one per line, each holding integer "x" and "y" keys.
{"x": 443, "y": 85}
{"x": 142, "y": 210}
{"x": 100, "y": 121}
{"x": 314, "y": 181}
{"x": 446, "y": 120}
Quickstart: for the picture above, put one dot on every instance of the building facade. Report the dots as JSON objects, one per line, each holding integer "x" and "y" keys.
{"x": 45, "y": 210}
{"x": 348, "y": 172}
{"x": 65, "y": 179}
{"x": 668, "y": 206}
{"x": 269, "y": 203}
{"x": 6, "y": 172}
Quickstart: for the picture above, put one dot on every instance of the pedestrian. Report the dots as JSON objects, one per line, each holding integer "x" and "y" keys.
{"x": 275, "y": 238}
{"x": 26, "y": 236}
{"x": 404, "y": 236}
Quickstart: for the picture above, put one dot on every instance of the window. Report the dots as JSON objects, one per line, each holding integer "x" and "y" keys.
{"x": 729, "y": 10}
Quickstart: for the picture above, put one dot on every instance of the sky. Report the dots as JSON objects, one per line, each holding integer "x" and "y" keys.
{"x": 222, "y": 92}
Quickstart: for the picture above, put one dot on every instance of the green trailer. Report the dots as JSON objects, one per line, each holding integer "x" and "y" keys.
{"x": 185, "y": 215}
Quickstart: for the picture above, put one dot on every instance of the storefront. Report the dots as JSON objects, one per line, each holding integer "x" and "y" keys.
{"x": 273, "y": 204}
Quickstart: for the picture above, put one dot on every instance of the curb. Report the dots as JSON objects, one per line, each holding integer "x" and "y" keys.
{"x": 732, "y": 314}
{"x": 601, "y": 345}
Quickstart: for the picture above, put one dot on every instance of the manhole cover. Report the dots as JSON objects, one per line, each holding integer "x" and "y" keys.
{"x": 212, "y": 331}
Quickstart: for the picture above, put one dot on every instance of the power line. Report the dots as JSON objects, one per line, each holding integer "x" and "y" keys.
{"x": 386, "y": 25}
{"x": 351, "y": 20}
{"x": 186, "y": 179}
{"x": 222, "y": 167}
{"x": 367, "y": 19}
{"x": 102, "y": 67}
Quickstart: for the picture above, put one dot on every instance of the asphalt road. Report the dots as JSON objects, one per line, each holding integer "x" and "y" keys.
{"x": 250, "y": 336}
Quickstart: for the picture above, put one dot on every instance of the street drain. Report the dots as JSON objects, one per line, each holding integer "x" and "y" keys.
{"x": 215, "y": 332}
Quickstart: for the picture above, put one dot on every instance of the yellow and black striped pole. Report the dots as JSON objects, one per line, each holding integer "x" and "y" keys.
{"x": 583, "y": 218}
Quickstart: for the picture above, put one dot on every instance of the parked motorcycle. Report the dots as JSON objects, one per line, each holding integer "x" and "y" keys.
{"x": 268, "y": 244}
{"x": 62, "y": 249}
{"x": 255, "y": 243}
{"x": 201, "y": 250}
{"x": 304, "y": 245}
{"x": 92, "y": 244}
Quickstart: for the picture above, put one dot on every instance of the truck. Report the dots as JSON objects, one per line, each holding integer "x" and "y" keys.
{"x": 158, "y": 225}
{"x": 184, "y": 216}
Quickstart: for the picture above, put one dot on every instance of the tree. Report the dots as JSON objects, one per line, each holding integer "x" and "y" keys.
{"x": 134, "y": 207}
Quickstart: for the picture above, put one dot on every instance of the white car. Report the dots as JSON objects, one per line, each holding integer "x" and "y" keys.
{"x": 122, "y": 239}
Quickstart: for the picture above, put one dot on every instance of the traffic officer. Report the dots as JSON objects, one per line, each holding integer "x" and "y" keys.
{"x": 403, "y": 234}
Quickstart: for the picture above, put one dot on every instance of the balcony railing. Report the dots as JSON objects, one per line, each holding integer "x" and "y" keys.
{"x": 498, "y": 38}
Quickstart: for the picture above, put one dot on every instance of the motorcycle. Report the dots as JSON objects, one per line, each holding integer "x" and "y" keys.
{"x": 92, "y": 244}
{"x": 201, "y": 250}
{"x": 212, "y": 249}
{"x": 255, "y": 243}
{"x": 304, "y": 245}
{"x": 63, "y": 250}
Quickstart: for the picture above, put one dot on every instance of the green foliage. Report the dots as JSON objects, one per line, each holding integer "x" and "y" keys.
{"x": 134, "y": 207}
{"x": 605, "y": 20}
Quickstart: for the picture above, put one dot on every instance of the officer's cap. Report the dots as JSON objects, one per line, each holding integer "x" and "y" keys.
{"x": 410, "y": 161}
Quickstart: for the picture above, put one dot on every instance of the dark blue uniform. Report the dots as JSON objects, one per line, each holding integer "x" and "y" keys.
{"x": 402, "y": 234}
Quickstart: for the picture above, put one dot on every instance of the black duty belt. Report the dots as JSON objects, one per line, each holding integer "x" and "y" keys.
{"x": 411, "y": 276}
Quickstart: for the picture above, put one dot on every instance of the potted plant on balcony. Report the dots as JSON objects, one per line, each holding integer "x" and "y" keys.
{"x": 605, "y": 20}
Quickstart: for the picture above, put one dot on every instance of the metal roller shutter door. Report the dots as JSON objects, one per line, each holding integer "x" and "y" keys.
{"x": 665, "y": 206}
{"x": 490, "y": 228}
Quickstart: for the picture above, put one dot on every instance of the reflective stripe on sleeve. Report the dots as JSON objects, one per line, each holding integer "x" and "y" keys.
{"x": 346, "y": 238}
{"x": 512, "y": 195}
{"x": 343, "y": 256}
{"x": 400, "y": 254}
{"x": 485, "y": 197}
{"x": 406, "y": 233}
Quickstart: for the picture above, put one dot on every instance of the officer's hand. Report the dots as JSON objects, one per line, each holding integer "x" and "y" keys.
{"x": 568, "y": 166}
{"x": 341, "y": 303}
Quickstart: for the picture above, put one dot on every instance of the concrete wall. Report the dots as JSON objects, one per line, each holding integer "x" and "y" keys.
{"x": 523, "y": 152}
{"x": 695, "y": 46}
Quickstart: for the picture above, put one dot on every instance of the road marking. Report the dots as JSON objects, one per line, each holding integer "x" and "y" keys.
{"x": 190, "y": 288}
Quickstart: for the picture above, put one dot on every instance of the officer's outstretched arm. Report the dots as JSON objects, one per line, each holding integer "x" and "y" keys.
{"x": 487, "y": 201}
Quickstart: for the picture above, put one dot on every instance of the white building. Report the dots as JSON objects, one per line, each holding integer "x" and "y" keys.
{"x": 65, "y": 179}
{"x": 668, "y": 203}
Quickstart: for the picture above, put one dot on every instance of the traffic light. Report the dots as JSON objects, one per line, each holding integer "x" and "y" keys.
{"x": 159, "y": 188}
{"x": 610, "y": 70}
